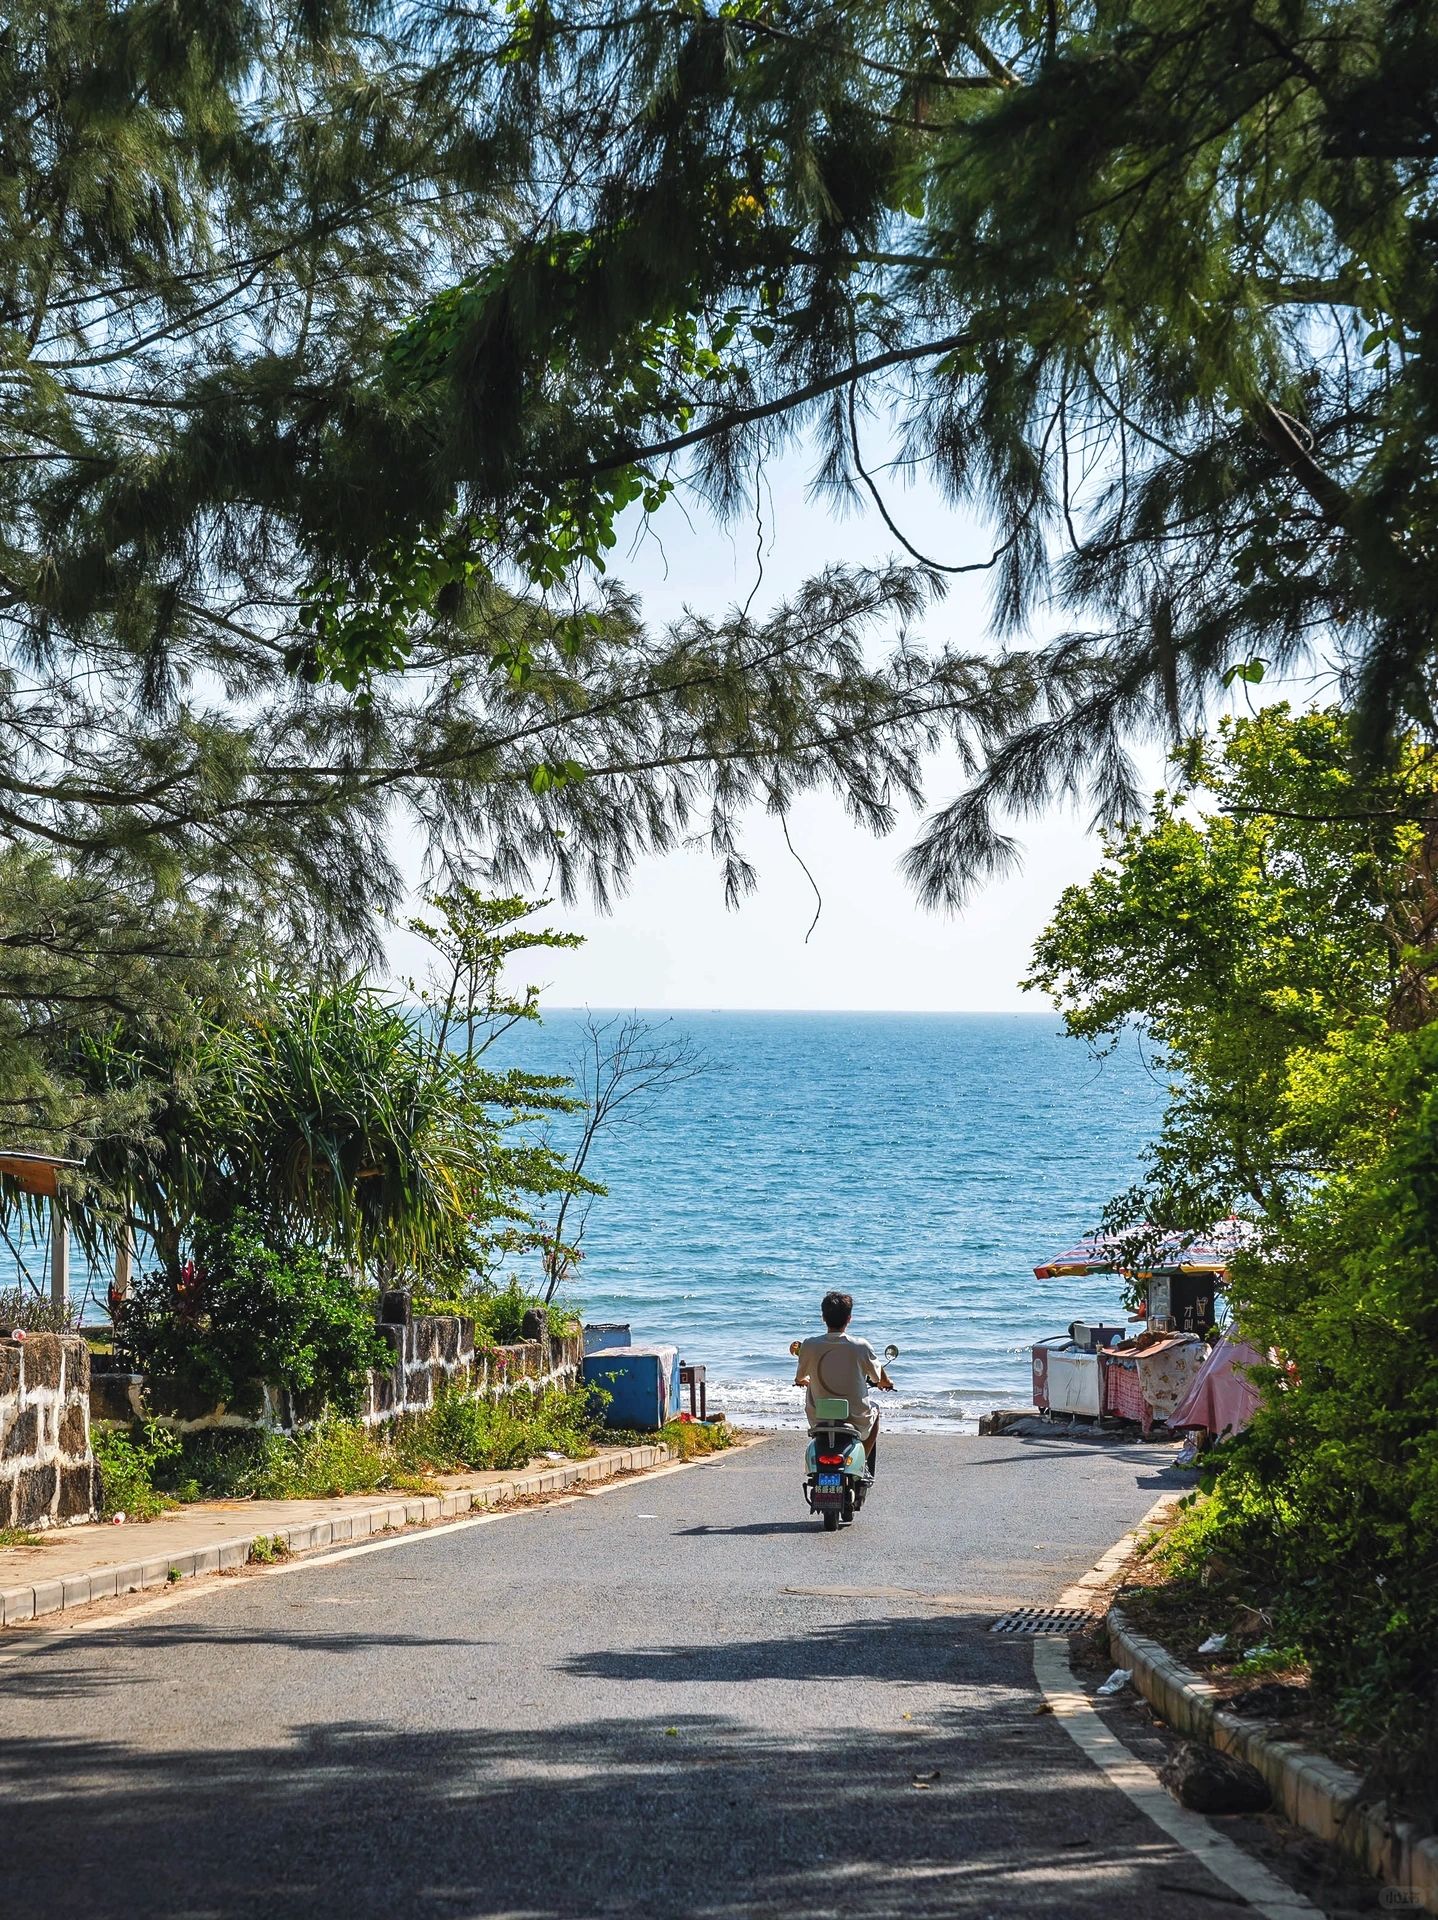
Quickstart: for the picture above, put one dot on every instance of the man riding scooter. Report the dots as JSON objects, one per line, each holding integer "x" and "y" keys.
{"x": 835, "y": 1366}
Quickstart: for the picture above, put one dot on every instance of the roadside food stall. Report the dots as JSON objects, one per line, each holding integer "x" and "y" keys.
{"x": 1066, "y": 1374}
{"x": 1065, "y": 1366}
{"x": 1145, "y": 1381}
{"x": 1094, "y": 1372}
{"x": 1187, "y": 1273}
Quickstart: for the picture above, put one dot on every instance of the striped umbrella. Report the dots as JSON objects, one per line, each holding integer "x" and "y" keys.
{"x": 1095, "y": 1253}
{"x": 1207, "y": 1252}
{"x": 1211, "y": 1251}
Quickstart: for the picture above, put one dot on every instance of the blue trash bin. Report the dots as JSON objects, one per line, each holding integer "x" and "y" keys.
{"x": 642, "y": 1384}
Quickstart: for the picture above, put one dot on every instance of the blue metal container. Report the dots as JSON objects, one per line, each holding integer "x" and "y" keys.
{"x": 607, "y": 1334}
{"x": 642, "y": 1382}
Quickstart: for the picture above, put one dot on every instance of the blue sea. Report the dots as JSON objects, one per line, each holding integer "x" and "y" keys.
{"x": 922, "y": 1162}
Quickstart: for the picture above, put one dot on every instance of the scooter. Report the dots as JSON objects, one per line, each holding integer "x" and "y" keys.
{"x": 836, "y": 1471}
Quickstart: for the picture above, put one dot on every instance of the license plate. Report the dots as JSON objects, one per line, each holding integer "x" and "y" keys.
{"x": 830, "y": 1481}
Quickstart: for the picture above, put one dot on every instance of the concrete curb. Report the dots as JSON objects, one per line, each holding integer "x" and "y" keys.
{"x": 1315, "y": 1793}
{"x": 1106, "y": 1569}
{"x": 19, "y": 1604}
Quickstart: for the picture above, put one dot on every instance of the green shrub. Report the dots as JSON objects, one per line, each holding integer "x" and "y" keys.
{"x": 1325, "y": 1511}
{"x": 35, "y": 1312}
{"x": 692, "y": 1438}
{"x": 498, "y": 1313}
{"x": 1275, "y": 954}
{"x": 337, "y": 1456}
{"x": 688, "y": 1438}
{"x": 245, "y": 1311}
{"x": 462, "y": 1432}
{"x": 128, "y": 1460}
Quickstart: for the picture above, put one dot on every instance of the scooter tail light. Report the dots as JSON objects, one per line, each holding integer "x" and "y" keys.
{"x": 831, "y": 1459}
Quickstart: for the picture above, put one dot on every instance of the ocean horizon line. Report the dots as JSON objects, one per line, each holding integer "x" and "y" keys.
{"x": 887, "y": 1013}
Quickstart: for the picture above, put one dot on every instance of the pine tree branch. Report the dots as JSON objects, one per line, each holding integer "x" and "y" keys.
{"x": 766, "y": 410}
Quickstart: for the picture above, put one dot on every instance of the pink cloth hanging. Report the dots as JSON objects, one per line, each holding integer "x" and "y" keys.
{"x": 1222, "y": 1399}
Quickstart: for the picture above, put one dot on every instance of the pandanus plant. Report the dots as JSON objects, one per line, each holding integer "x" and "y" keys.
{"x": 321, "y": 1110}
{"x": 333, "y": 1114}
{"x": 329, "y": 1111}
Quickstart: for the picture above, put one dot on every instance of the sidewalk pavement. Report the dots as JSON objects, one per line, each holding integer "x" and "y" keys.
{"x": 76, "y": 1565}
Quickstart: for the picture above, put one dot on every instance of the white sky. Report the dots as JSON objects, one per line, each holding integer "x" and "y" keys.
{"x": 671, "y": 943}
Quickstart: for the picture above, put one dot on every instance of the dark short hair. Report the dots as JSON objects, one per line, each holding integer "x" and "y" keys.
{"x": 838, "y": 1310}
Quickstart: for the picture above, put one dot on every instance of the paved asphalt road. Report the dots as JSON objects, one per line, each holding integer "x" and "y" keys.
{"x": 677, "y": 1698}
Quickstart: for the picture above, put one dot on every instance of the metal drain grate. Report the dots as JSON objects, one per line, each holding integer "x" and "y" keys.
{"x": 1043, "y": 1620}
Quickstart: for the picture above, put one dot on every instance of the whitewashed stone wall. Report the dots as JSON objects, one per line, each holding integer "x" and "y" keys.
{"x": 428, "y": 1351}
{"x": 47, "y": 1473}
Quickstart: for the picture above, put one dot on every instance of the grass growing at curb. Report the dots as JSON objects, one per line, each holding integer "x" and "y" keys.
{"x": 22, "y": 1537}
{"x": 146, "y": 1470}
{"x": 690, "y": 1439}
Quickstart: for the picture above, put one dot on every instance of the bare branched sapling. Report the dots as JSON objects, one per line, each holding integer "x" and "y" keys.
{"x": 626, "y": 1064}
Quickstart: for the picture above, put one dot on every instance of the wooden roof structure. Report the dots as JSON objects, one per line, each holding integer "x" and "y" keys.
{"x": 34, "y": 1172}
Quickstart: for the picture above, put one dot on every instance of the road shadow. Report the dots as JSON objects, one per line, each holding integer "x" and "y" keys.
{"x": 686, "y": 1816}
{"x": 919, "y": 1647}
{"x": 754, "y": 1527}
{"x": 1060, "y": 1447}
{"x": 62, "y": 1668}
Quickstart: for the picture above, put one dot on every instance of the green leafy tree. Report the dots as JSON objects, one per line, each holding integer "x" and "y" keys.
{"x": 1273, "y": 910}
{"x": 1270, "y": 932}
{"x": 470, "y": 1006}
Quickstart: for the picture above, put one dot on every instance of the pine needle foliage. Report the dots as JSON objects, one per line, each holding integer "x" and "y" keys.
{"x": 1149, "y": 284}
{"x": 257, "y": 608}
{"x": 334, "y": 343}
{"x": 221, "y": 472}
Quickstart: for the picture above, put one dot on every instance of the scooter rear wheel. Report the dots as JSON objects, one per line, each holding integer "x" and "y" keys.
{"x": 831, "y": 1520}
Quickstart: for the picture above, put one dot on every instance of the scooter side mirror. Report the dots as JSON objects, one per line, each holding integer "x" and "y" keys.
{"x": 891, "y": 1353}
{"x": 794, "y": 1348}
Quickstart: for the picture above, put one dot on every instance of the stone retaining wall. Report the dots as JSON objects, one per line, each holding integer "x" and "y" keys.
{"x": 427, "y": 1352}
{"x": 47, "y": 1473}
{"x": 441, "y": 1347}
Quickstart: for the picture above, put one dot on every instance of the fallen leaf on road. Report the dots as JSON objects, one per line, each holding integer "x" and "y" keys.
{"x": 926, "y": 1779}
{"x": 1043, "y": 1707}
{"x": 671, "y": 1729}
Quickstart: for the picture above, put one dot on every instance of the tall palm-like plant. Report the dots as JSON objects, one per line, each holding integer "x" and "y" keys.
{"x": 335, "y": 1114}
{"x": 328, "y": 1112}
